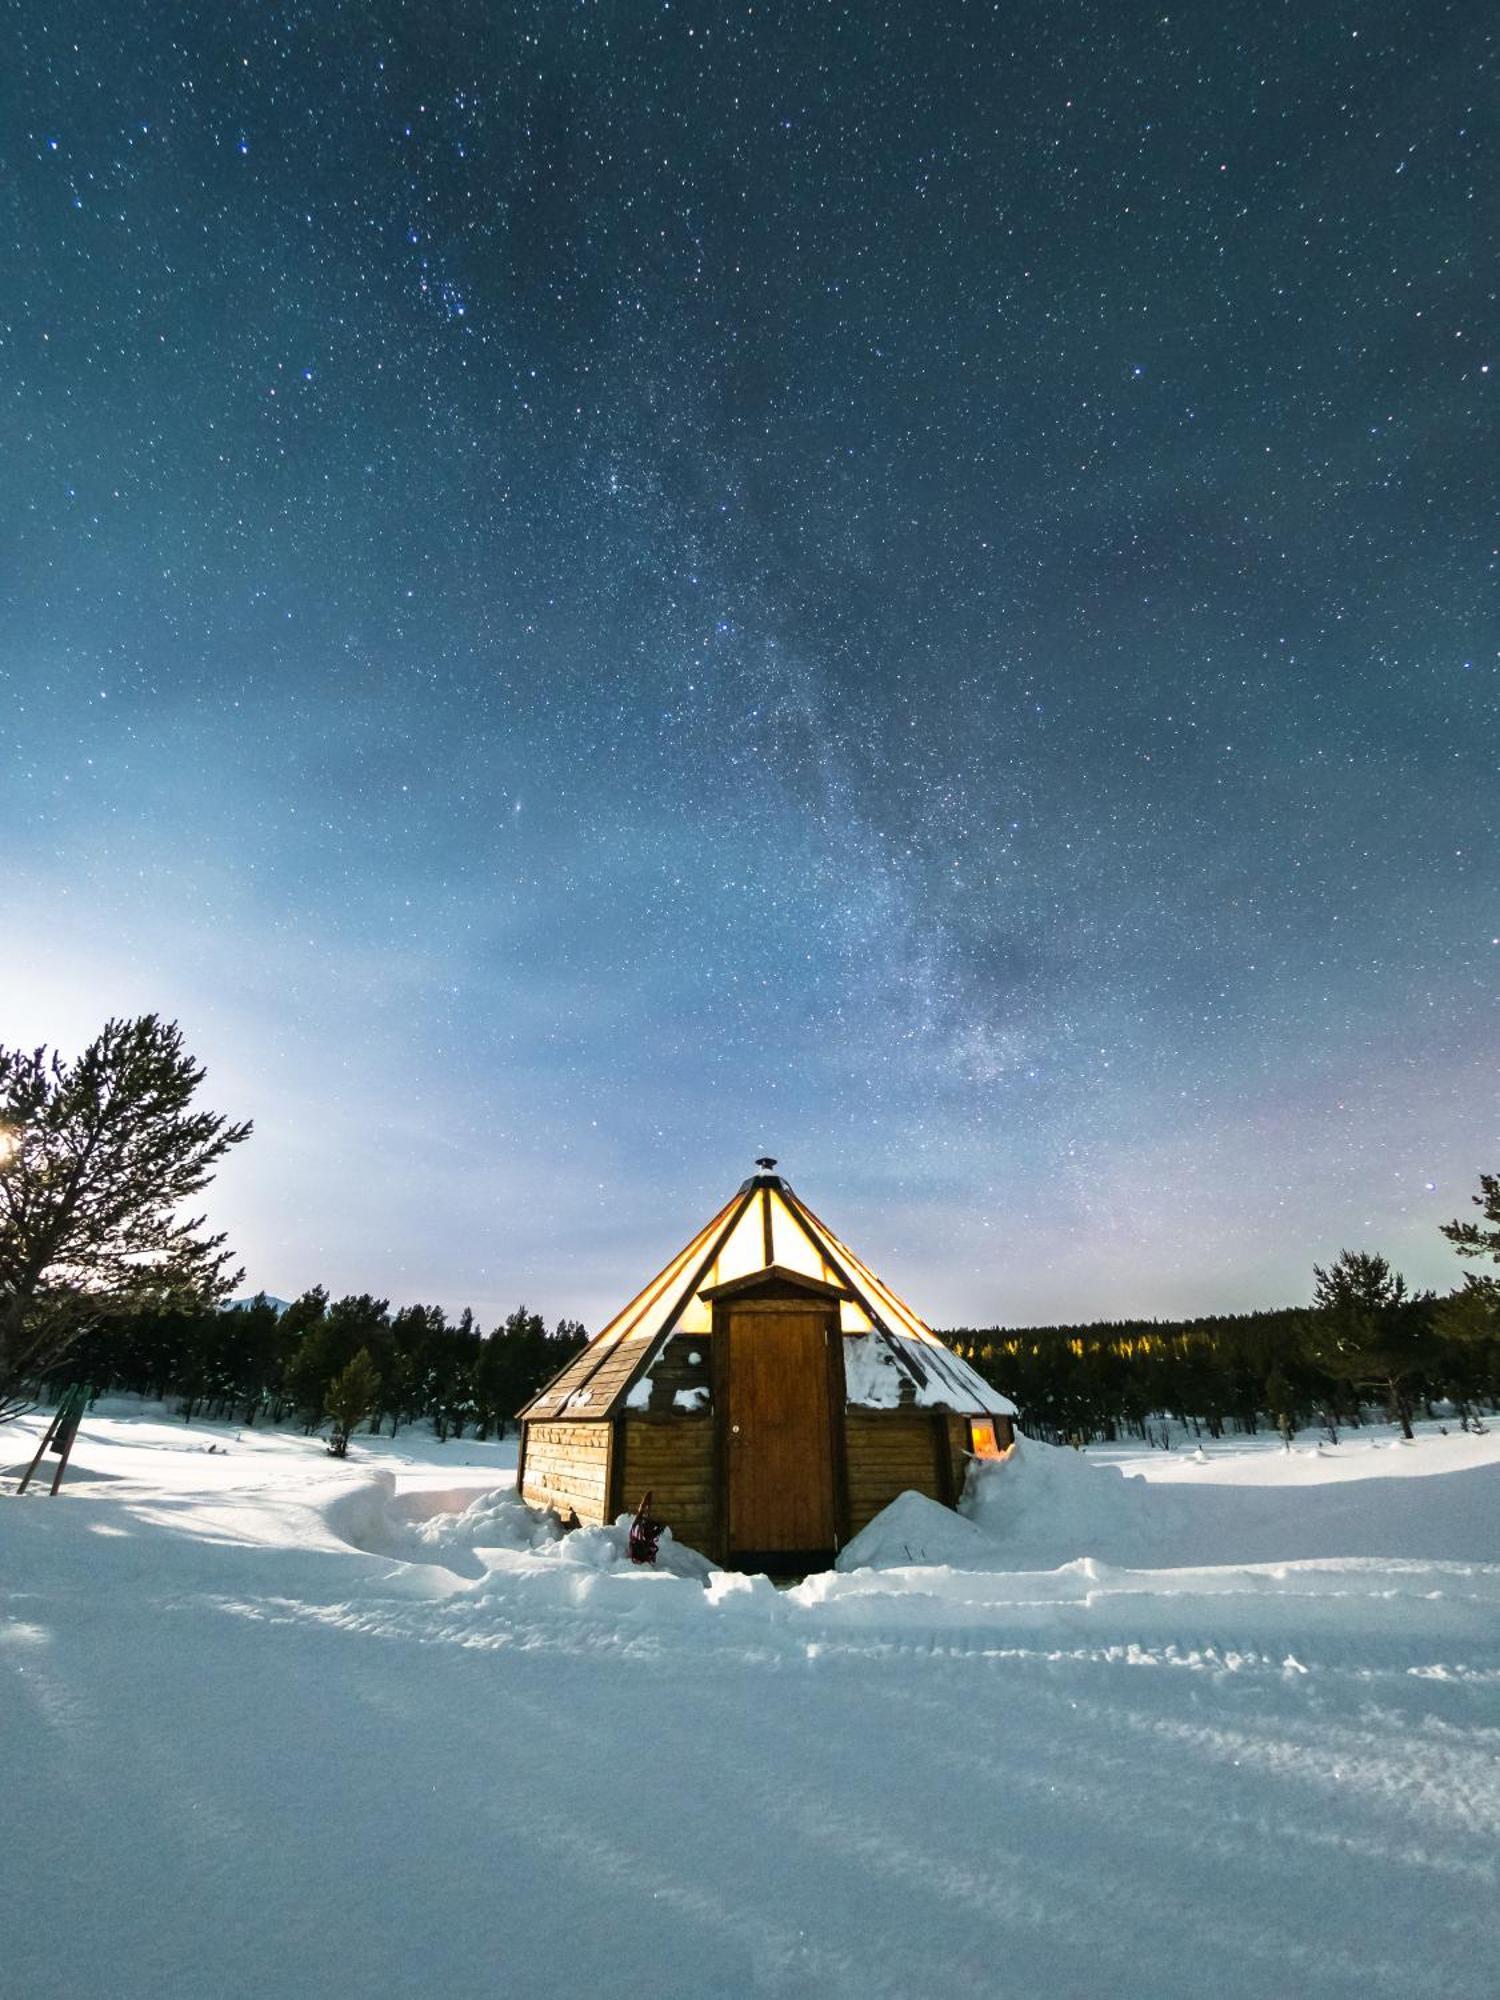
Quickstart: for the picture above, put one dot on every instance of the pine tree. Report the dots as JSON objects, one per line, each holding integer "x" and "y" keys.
{"x": 96, "y": 1159}
{"x": 1469, "y": 1319}
{"x": 1366, "y": 1328}
{"x": 260, "y": 1349}
{"x": 1467, "y": 1238}
{"x": 350, "y": 1398}
{"x": 351, "y": 1325}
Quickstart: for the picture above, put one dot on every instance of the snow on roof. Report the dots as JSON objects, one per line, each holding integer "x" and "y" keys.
{"x": 876, "y": 1368}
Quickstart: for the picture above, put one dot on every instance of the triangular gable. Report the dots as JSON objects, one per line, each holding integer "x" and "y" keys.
{"x": 765, "y": 1225}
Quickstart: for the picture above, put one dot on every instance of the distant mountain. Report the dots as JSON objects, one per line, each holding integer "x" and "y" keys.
{"x": 240, "y": 1305}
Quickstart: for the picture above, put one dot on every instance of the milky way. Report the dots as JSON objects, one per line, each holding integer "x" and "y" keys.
{"x": 592, "y": 590}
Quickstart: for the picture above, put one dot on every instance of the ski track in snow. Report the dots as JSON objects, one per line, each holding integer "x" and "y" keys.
{"x": 290, "y": 1728}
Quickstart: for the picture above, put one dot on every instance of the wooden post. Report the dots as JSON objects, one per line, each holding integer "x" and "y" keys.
{"x": 65, "y": 1452}
{"x": 838, "y": 1425}
{"x": 60, "y": 1435}
{"x": 41, "y": 1448}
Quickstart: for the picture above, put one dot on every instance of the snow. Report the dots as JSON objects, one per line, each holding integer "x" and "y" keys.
{"x": 914, "y": 1530}
{"x": 872, "y": 1377}
{"x": 951, "y": 1383}
{"x": 1133, "y": 1723}
{"x": 939, "y": 1380}
{"x": 639, "y": 1397}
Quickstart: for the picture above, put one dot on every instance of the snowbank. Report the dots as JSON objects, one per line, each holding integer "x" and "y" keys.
{"x": 1045, "y": 1504}
{"x": 609, "y": 1548}
{"x": 915, "y": 1530}
{"x": 1037, "y": 1508}
{"x": 480, "y": 1537}
{"x": 498, "y": 1520}
{"x": 414, "y": 1741}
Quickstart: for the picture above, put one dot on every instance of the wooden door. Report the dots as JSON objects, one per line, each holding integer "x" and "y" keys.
{"x": 779, "y": 1441}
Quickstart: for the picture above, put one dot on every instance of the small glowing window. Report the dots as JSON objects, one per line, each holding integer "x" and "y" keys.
{"x": 982, "y": 1439}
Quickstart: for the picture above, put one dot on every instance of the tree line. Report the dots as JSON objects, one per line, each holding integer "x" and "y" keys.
{"x": 343, "y": 1361}
{"x": 1365, "y": 1345}
{"x": 103, "y": 1278}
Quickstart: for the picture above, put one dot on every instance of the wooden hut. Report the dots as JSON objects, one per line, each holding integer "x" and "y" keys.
{"x": 768, "y": 1390}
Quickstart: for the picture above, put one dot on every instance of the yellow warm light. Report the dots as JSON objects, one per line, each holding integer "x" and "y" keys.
{"x": 735, "y": 1242}
{"x": 766, "y": 1227}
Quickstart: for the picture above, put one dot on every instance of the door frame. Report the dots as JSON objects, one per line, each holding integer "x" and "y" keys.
{"x": 776, "y": 1285}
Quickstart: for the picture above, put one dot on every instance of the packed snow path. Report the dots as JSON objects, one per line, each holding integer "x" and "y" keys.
{"x": 275, "y": 1725}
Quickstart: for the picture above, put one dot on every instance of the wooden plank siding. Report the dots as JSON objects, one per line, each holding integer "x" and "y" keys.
{"x": 957, "y": 1429}
{"x": 892, "y": 1452}
{"x": 672, "y": 1458}
{"x": 593, "y": 1470}
{"x": 567, "y": 1467}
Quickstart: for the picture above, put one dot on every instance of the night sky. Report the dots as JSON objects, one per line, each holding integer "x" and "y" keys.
{"x": 588, "y": 591}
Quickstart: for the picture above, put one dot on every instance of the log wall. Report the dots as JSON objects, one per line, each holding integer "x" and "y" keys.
{"x": 672, "y": 1458}
{"x": 958, "y": 1456}
{"x": 891, "y": 1452}
{"x": 567, "y": 1467}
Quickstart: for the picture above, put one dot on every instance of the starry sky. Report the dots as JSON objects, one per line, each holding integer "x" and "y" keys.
{"x": 591, "y": 590}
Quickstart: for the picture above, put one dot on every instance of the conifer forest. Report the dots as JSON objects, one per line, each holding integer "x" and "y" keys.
{"x": 1365, "y": 1349}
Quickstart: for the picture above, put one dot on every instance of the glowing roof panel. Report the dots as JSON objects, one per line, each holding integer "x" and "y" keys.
{"x": 765, "y": 1224}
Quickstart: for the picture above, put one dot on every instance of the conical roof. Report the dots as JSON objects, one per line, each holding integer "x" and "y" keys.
{"x": 891, "y": 1354}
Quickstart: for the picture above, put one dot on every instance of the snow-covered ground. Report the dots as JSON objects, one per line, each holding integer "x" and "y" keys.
{"x": 272, "y": 1724}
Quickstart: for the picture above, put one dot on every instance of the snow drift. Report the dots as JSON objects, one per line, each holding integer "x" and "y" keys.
{"x": 381, "y": 1728}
